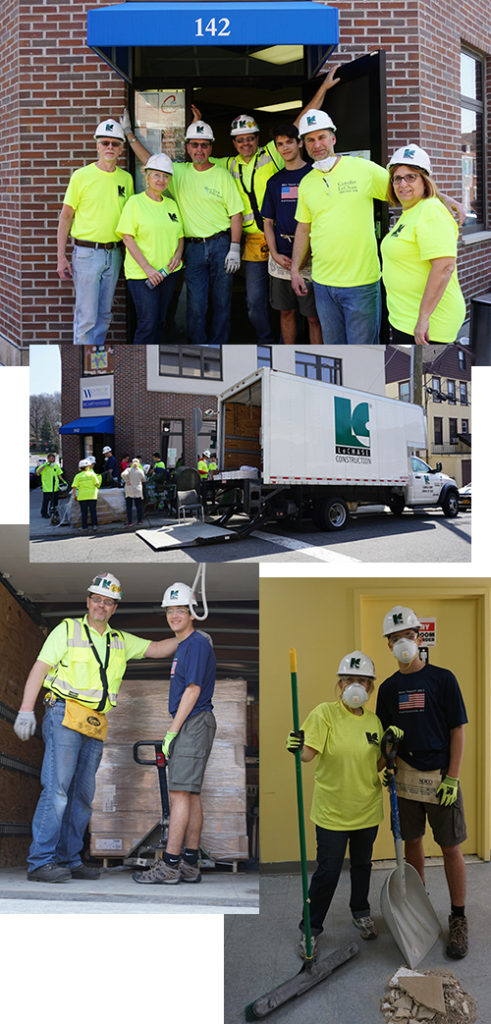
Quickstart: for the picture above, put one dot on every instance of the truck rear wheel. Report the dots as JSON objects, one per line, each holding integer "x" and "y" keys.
{"x": 396, "y": 504}
{"x": 330, "y": 514}
{"x": 450, "y": 504}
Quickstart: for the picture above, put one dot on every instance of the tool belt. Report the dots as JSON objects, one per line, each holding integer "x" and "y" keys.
{"x": 417, "y": 784}
{"x": 255, "y": 247}
{"x": 96, "y": 245}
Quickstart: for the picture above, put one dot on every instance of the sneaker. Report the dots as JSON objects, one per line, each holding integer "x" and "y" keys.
{"x": 302, "y": 949}
{"x": 84, "y": 872}
{"x": 365, "y": 926}
{"x": 49, "y": 873}
{"x": 190, "y": 872}
{"x": 458, "y": 937}
{"x": 160, "y": 874}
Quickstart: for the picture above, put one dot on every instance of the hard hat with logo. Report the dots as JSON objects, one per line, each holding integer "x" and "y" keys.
{"x": 107, "y": 585}
{"x": 411, "y": 155}
{"x": 356, "y": 664}
{"x": 90, "y": 459}
{"x": 106, "y": 450}
{"x": 199, "y": 130}
{"x": 400, "y": 618}
{"x": 109, "y": 129}
{"x": 83, "y": 464}
{"x": 179, "y": 594}
{"x": 207, "y": 453}
{"x": 315, "y": 121}
{"x": 159, "y": 162}
{"x": 244, "y": 124}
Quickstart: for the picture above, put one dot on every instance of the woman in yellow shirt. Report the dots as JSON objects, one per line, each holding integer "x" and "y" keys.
{"x": 424, "y": 299}
{"x": 85, "y": 487}
{"x": 347, "y": 800}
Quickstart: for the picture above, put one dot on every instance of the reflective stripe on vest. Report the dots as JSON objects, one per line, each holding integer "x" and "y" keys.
{"x": 264, "y": 168}
{"x": 66, "y": 681}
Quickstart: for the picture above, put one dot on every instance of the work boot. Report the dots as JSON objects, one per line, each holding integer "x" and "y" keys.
{"x": 365, "y": 926}
{"x": 302, "y": 949}
{"x": 189, "y": 872}
{"x": 49, "y": 873}
{"x": 458, "y": 937}
{"x": 84, "y": 872}
{"x": 160, "y": 874}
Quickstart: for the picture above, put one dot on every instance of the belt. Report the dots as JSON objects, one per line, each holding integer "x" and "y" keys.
{"x": 52, "y": 698}
{"x": 96, "y": 245}
{"x": 217, "y": 234}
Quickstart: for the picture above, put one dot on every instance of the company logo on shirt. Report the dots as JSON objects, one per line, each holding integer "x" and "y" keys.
{"x": 351, "y": 428}
{"x": 412, "y": 700}
{"x": 121, "y": 190}
{"x": 173, "y": 216}
{"x": 347, "y": 186}
{"x": 397, "y": 230}
{"x": 371, "y": 737}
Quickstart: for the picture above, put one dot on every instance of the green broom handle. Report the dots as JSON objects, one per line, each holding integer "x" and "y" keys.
{"x": 301, "y": 822}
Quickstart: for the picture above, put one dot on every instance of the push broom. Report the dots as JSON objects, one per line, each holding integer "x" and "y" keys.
{"x": 312, "y": 971}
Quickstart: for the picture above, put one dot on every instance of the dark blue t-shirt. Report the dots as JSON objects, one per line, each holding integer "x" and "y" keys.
{"x": 427, "y": 705}
{"x": 194, "y": 662}
{"x": 280, "y": 203}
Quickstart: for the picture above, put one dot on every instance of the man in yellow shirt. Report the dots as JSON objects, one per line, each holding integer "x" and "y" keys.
{"x": 81, "y": 665}
{"x": 50, "y": 473}
{"x": 91, "y": 210}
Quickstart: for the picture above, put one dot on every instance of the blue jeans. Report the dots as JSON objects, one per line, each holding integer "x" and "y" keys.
{"x": 257, "y": 288}
{"x": 68, "y": 779}
{"x": 205, "y": 274}
{"x": 95, "y": 275}
{"x": 349, "y": 316}
{"x": 151, "y": 305}
{"x": 331, "y": 848}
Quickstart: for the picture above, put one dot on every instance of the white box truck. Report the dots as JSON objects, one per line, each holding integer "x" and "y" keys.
{"x": 290, "y": 447}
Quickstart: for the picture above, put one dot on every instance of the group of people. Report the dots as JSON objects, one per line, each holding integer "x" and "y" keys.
{"x": 422, "y": 705}
{"x": 81, "y": 667}
{"x": 304, "y": 232}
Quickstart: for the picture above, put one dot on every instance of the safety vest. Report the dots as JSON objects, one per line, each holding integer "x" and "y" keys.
{"x": 203, "y": 469}
{"x": 49, "y": 473}
{"x": 77, "y": 675}
{"x": 159, "y": 465}
{"x": 212, "y": 467}
{"x": 264, "y": 168}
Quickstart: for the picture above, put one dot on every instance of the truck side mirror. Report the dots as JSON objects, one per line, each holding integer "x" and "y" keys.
{"x": 438, "y": 467}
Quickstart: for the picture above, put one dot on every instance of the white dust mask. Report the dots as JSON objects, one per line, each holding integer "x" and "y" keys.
{"x": 325, "y": 165}
{"x": 405, "y": 650}
{"x": 355, "y": 695}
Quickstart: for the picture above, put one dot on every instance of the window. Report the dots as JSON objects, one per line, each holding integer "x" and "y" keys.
{"x": 463, "y": 392}
{"x": 190, "y": 361}
{"x": 264, "y": 356}
{"x": 436, "y": 385}
{"x": 472, "y": 139}
{"x": 462, "y": 360}
{"x": 404, "y": 391}
{"x": 452, "y": 431}
{"x": 174, "y": 431}
{"x": 438, "y": 430}
{"x": 318, "y": 367}
{"x": 418, "y": 466}
{"x": 451, "y": 390}
{"x": 207, "y": 437}
{"x": 465, "y": 427}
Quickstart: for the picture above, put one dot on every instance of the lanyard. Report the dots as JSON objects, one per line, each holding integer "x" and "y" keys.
{"x": 251, "y": 194}
{"x": 102, "y": 668}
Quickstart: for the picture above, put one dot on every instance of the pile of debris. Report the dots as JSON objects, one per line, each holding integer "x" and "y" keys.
{"x": 427, "y": 997}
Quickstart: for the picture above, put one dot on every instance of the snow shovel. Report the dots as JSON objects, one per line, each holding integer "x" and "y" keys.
{"x": 311, "y": 972}
{"x": 404, "y": 902}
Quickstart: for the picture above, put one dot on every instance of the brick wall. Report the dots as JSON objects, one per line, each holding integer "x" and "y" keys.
{"x": 10, "y": 300}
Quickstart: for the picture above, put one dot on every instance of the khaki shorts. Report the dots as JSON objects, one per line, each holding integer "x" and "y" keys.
{"x": 190, "y": 752}
{"x": 447, "y": 823}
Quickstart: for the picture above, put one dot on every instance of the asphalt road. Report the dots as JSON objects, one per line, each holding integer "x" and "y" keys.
{"x": 371, "y": 536}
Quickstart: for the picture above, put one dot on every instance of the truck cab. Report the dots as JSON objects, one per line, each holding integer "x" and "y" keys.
{"x": 427, "y": 486}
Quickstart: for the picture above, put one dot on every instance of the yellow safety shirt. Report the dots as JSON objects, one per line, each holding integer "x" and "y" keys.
{"x": 97, "y": 198}
{"x": 87, "y": 483}
{"x": 202, "y": 469}
{"x": 156, "y": 229}
{"x": 206, "y": 199}
{"x": 50, "y": 473}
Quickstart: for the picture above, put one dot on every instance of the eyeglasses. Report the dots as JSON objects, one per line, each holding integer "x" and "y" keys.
{"x": 199, "y": 145}
{"x": 101, "y": 600}
{"x": 399, "y": 178}
{"x": 109, "y": 142}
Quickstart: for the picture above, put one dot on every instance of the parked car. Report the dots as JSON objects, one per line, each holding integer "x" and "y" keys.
{"x": 465, "y": 497}
{"x": 34, "y": 478}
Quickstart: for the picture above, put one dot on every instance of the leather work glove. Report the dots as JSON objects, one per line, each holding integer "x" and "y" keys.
{"x": 232, "y": 259}
{"x": 125, "y": 122}
{"x": 449, "y": 789}
{"x": 295, "y": 741}
{"x": 168, "y": 740}
{"x": 25, "y": 725}
{"x": 386, "y": 776}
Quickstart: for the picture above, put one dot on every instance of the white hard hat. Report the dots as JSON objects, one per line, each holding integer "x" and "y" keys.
{"x": 106, "y": 450}
{"x": 83, "y": 463}
{"x": 244, "y": 124}
{"x": 107, "y": 585}
{"x": 90, "y": 459}
{"x": 199, "y": 130}
{"x": 314, "y": 121}
{"x": 356, "y": 664}
{"x": 109, "y": 129}
{"x": 207, "y": 453}
{"x": 400, "y": 618}
{"x": 159, "y": 162}
{"x": 179, "y": 594}
{"x": 411, "y": 155}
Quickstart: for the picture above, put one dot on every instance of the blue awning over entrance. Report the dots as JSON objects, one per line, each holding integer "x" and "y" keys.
{"x": 90, "y": 425}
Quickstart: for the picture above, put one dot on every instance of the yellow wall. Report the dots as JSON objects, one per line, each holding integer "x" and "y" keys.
{"x": 325, "y": 619}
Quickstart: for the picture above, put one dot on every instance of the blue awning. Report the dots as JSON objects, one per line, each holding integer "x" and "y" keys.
{"x": 89, "y": 425}
{"x": 212, "y": 24}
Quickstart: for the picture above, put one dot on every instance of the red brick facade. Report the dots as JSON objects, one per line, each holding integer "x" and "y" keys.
{"x": 53, "y": 91}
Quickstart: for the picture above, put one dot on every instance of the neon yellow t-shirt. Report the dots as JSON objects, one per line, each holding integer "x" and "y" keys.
{"x": 424, "y": 232}
{"x": 55, "y": 645}
{"x": 347, "y": 790}
{"x": 87, "y": 483}
{"x": 156, "y": 228}
{"x": 49, "y": 473}
{"x": 206, "y": 199}
{"x": 97, "y": 198}
{"x": 257, "y": 172}
{"x": 338, "y": 206}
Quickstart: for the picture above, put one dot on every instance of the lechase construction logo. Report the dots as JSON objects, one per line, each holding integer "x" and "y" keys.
{"x": 352, "y": 432}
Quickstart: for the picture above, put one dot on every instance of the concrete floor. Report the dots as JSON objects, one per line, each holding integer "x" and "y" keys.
{"x": 115, "y": 892}
{"x": 261, "y": 952}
